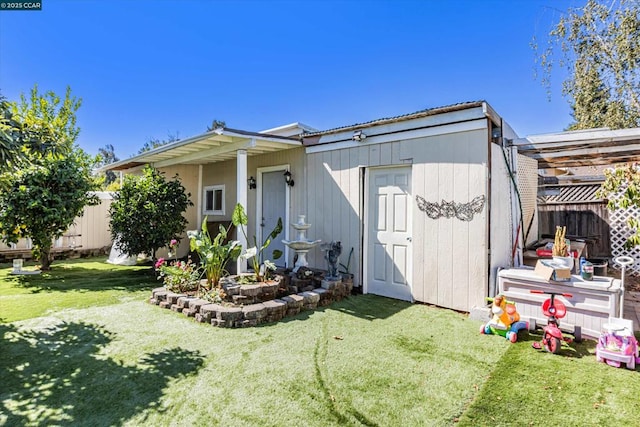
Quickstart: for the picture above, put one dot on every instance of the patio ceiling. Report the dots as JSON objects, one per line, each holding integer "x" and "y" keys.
{"x": 591, "y": 147}
{"x": 215, "y": 146}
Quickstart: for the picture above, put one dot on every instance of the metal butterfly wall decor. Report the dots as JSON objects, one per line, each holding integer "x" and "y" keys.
{"x": 462, "y": 211}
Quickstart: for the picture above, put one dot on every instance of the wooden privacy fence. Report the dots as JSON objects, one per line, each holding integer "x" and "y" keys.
{"x": 89, "y": 234}
{"x": 577, "y": 207}
{"x": 584, "y": 214}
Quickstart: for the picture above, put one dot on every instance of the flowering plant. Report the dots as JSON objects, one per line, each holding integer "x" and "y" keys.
{"x": 179, "y": 276}
{"x": 214, "y": 253}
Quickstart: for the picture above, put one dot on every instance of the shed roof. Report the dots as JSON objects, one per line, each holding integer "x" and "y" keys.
{"x": 590, "y": 147}
{"x": 403, "y": 117}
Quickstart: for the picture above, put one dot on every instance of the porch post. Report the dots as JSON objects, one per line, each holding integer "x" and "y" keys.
{"x": 199, "y": 199}
{"x": 241, "y": 197}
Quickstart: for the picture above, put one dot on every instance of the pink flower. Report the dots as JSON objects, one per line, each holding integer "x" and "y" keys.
{"x": 173, "y": 242}
{"x": 160, "y": 262}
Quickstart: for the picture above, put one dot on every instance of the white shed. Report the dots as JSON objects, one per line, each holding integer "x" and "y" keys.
{"x": 425, "y": 200}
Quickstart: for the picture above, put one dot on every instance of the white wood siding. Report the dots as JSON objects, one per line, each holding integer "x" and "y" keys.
{"x": 501, "y": 216}
{"x": 450, "y": 261}
{"x": 450, "y": 255}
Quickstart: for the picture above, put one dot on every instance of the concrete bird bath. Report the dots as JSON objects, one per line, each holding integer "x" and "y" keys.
{"x": 301, "y": 245}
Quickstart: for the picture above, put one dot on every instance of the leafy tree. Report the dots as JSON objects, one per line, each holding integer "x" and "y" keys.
{"x": 147, "y": 212}
{"x": 43, "y": 200}
{"x": 155, "y": 142}
{"x": 106, "y": 156}
{"x": 35, "y": 127}
{"x": 215, "y": 124}
{"x": 622, "y": 189}
{"x": 599, "y": 45}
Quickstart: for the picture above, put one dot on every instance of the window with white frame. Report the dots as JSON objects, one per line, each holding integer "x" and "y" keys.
{"x": 213, "y": 200}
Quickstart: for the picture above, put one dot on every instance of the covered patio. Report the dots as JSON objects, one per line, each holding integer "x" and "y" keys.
{"x": 229, "y": 145}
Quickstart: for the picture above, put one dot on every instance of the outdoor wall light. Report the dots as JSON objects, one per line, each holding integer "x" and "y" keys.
{"x": 358, "y": 135}
{"x": 288, "y": 179}
{"x": 252, "y": 183}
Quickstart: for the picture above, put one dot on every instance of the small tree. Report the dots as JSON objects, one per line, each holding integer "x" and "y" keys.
{"x": 599, "y": 46}
{"x": 154, "y": 143}
{"x": 106, "y": 156}
{"x": 147, "y": 212}
{"x": 43, "y": 200}
{"x": 43, "y": 124}
{"x": 622, "y": 189}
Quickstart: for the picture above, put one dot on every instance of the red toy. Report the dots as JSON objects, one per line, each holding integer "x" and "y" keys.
{"x": 551, "y": 334}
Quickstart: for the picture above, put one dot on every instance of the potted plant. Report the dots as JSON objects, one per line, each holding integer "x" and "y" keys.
{"x": 560, "y": 251}
{"x": 214, "y": 253}
{"x": 262, "y": 272}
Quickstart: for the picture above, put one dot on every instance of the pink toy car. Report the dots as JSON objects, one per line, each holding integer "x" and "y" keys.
{"x": 617, "y": 344}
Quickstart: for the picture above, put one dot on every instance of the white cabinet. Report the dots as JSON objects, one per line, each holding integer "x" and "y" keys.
{"x": 592, "y": 304}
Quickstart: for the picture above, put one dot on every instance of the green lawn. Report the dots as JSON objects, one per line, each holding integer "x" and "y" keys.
{"x": 71, "y": 284}
{"x": 366, "y": 361}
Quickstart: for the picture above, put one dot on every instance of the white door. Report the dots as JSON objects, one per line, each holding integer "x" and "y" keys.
{"x": 388, "y": 233}
{"x": 274, "y": 196}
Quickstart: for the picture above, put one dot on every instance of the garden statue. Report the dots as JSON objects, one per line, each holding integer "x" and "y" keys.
{"x": 333, "y": 251}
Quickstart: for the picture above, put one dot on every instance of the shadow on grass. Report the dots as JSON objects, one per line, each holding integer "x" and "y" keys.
{"x": 56, "y": 375}
{"x": 86, "y": 279}
{"x": 570, "y": 348}
{"x": 369, "y": 306}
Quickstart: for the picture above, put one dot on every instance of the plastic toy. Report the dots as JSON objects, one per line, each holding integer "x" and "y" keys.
{"x": 551, "y": 334}
{"x": 505, "y": 320}
{"x": 617, "y": 344}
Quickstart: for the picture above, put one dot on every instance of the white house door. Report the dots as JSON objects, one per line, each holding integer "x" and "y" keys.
{"x": 388, "y": 233}
{"x": 274, "y": 193}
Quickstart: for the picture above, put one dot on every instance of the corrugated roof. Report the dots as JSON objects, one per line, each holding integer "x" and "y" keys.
{"x": 414, "y": 115}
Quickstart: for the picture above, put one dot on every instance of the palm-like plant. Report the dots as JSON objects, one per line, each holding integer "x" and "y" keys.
{"x": 214, "y": 253}
{"x": 240, "y": 220}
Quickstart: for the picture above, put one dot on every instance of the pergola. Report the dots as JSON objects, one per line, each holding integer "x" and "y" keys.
{"x": 592, "y": 147}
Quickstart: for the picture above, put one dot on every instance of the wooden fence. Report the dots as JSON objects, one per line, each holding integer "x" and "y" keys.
{"x": 88, "y": 235}
{"x": 577, "y": 207}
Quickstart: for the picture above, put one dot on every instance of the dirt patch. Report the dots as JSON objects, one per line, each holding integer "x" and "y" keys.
{"x": 631, "y": 282}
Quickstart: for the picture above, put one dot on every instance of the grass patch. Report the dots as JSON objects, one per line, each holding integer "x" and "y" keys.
{"x": 365, "y": 361}
{"x": 530, "y": 387}
{"x": 75, "y": 283}
{"x": 136, "y": 364}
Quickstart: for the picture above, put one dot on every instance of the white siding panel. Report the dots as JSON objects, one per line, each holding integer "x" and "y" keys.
{"x": 501, "y": 230}
{"x": 419, "y": 241}
{"x": 445, "y": 227}
{"x": 478, "y": 238}
{"x": 449, "y": 256}
{"x": 462, "y": 193}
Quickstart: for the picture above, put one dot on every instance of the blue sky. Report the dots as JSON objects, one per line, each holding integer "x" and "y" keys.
{"x": 145, "y": 69}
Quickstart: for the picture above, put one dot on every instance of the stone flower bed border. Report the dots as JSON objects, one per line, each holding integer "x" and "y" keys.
{"x": 238, "y": 316}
